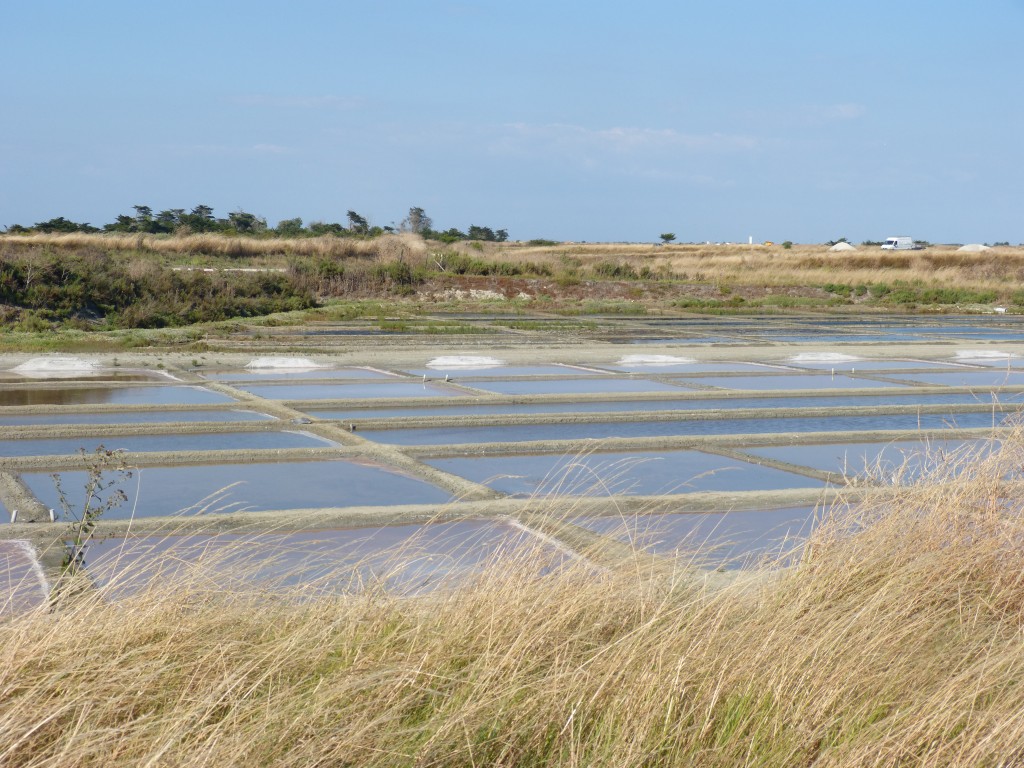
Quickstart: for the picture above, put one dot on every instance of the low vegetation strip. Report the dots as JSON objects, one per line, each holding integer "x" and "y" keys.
{"x": 895, "y": 641}
{"x": 125, "y": 281}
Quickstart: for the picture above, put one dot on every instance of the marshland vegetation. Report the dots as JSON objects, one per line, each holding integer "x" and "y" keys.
{"x": 894, "y": 640}
{"x": 115, "y": 280}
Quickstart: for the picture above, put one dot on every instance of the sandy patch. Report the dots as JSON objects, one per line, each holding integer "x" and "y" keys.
{"x": 655, "y": 360}
{"x": 465, "y": 361}
{"x": 57, "y": 367}
{"x": 823, "y": 357}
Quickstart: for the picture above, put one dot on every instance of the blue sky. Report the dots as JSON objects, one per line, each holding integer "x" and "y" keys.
{"x": 804, "y": 121}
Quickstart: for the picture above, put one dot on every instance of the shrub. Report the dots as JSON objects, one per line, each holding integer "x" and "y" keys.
{"x": 614, "y": 271}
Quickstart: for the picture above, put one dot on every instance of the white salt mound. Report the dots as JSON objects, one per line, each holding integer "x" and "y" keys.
{"x": 655, "y": 360}
{"x": 465, "y": 361}
{"x": 56, "y": 367}
{"x": 842, "y": 247}
{"x": 983, "y": 354}
{"x": 974, "y": 248}
{"x": 283, "y": 362}
{"x": 823, "y": 357}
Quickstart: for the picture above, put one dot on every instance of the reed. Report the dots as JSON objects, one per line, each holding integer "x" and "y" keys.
{"x": 896, "y": 640}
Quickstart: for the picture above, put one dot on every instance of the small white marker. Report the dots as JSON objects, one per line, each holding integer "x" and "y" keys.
{"x": 14, "y": 516}
{"x": 53, "y": 516}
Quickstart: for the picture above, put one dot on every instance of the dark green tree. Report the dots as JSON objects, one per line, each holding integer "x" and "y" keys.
{"x": 358, "y": 224}
{"x": 290, "y": 228}
{"x": 60, "y": 224}
{"x": 244, "y": 222}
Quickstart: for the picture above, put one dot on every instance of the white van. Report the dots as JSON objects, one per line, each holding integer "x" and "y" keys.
{"x": 900, "y": 244}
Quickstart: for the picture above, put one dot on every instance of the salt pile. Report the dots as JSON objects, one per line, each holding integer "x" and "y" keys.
{"x": 655, "y": 360}
{"x": 278, "y": 363}
{"x": 823, "y": 357}
{"x": 974, "y": 248}
{"x": 842, "y": 247}
{"x": 465, "y": 361}
{"x": 57, "y": 367}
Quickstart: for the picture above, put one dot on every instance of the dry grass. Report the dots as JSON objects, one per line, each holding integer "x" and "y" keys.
{"x": 387, "y": 246}
{"x": 998, "y": 269}
{"x": 802, "y": 265}
{"x": 897, "y": 640}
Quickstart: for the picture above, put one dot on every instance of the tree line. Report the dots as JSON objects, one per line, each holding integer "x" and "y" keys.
{"x": 201, "y": 219}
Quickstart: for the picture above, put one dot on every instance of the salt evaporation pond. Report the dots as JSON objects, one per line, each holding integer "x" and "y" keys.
{"x": 666, "y": 368}
{"x": 383, "y": 389}
{"x": 990, "y": 379}
{"x": 906, "y": 397}
{"x": 283, "y": 374}
{"x": 157, "y": 491}
{"x": 714, "y": 540}
{"x": 405, "y": 558}
{"x": 216, "y": 441}
{"x": 846, "y": 366}
{"x": 858, "y": 459}
{"x": 119, "y": 395}
{"x": 455, "y": 435}
{"x": 576, "y": 386}
{"x": 606, "y": 474}
{"x": 785, "y": 381}
{"x": 23, "y": 586}
{"x": 133, "y": 417}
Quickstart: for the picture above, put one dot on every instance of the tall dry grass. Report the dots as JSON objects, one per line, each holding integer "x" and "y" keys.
{"x": 896, "y": 641}
{"x": 387, "y": 246}
{"x": 725, "y": 265}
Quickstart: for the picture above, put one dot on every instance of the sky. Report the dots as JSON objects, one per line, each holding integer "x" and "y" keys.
{"x": 717, "y": 120}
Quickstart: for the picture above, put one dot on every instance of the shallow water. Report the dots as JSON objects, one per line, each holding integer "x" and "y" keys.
{"x": 21, "y": 588}
{"x": 796, "y": 381}
{"x": 218, "y": 441}
{"x": 598, "y": 431}
{"x": 846, "y": 366}
{"x": 407, "y": 558}
{"x": 907, "y": 397}
{"x": 714, "y": 540}
{"x": 682, "y": 368}
{"x": 989, "y": 379}
{"x": 171, "y": 394}
{"x": 95, "y": 376}
{"x": 385, "y": 388}
{"x": 876, "y": 459}
{"x": 284, "y": 485}
{"x": 576, "y": 386}
{"x": 133, "y": 417}
{"x": 283, "y": 374}
{"x": 605, "y": 474}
